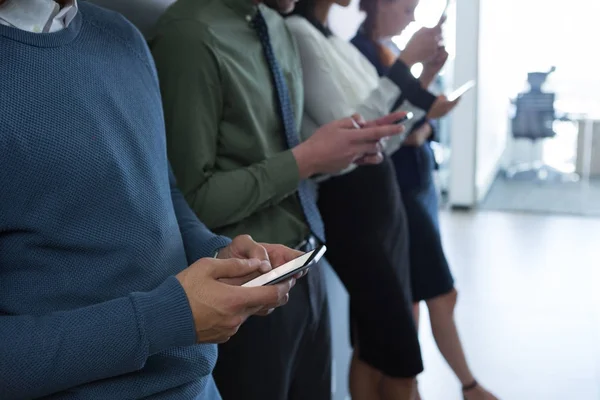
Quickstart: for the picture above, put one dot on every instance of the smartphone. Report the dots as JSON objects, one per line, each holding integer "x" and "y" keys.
{"x": 288, "y": 269}
{"x": 461, "y": 90}
{"x": 407, "y": 117}
{"x": 445, "y": 9}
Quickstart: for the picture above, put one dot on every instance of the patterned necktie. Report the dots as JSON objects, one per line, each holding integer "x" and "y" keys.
{"x": 306, "y": 189}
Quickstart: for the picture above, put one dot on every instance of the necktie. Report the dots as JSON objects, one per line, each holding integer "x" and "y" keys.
{"x": 306, "y": 189}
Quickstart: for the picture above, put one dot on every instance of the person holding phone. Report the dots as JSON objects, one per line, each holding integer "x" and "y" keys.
{"x": 431, "y": 279}
{"x": 231, "y": 83}
{"x": 111, "y": 288}
{"x": 362, "y": 208}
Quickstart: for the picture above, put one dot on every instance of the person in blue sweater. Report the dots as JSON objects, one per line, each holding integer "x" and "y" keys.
{"x": 431, "y": 279}
{"x": 110, "y": 287}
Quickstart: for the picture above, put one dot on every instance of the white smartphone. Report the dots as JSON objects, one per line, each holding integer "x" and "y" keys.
{"x": 445, "y": 9}
{"x": 461, "y": 90}
{"x": 288, "y": 269}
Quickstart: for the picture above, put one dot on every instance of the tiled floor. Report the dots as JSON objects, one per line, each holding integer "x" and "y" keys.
{"x": 529, "y": 307}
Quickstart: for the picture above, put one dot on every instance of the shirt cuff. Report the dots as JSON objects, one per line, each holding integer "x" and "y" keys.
{"x": 165, "y": 316}
{"x": 411, "y": 88}
{"x": 283, "y": 173}
{"x": 215, "y": 245}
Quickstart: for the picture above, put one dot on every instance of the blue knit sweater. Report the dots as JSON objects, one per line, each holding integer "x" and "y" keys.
{"x": 92, "y": 228}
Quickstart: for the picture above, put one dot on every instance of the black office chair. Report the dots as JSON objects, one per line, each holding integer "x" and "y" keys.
{"x": 534, "y": 120}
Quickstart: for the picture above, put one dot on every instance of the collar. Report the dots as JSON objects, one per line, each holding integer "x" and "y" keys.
{"x": 244, "y": 8}
{"x": 68, "y": 12}
{"x": 320, "y": 27}
{"x": 38, "y": 16}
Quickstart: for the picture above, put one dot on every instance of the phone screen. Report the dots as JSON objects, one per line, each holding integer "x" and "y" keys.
{"x": 288, "y": 269}
{"x": 461, "y": 90}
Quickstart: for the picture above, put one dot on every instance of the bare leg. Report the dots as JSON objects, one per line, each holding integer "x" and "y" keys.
{"x": 441, "y": 314}
{"x": 417, "y": 315}
{"x": 398, "y": 388}
{"x": 367, "y": 383}
{"x": 364, "y": 380}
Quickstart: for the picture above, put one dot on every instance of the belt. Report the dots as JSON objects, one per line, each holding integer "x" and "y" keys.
{"x": 309, "y": 244}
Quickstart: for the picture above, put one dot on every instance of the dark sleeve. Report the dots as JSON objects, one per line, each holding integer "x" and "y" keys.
{"x": 369, "y": 50}
{"x": 399, "y": 73}
{"x": 198, "y": 240}
{"x": 411, "y": 88}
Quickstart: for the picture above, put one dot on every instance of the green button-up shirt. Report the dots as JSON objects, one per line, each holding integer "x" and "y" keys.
{"x": 225, "y": 137}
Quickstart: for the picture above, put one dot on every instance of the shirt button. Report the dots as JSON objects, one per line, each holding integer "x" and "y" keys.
{"x": 248, "y": 18}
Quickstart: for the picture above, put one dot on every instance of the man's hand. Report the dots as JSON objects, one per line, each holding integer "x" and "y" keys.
{"x": 244, "y": 247}
{"x": 219, "y": 309}
{"x": 419, "y": 136}
{"x": 337, "y": 145}
{"x": 432, "y": 67}
{"x": 270, "y": 255}
{"x": 280, "y": 254}
{"x": 441, "y": 107}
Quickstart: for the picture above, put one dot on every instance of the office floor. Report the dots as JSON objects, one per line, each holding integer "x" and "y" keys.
{"x": 575, "y": 198}
{"x": 528, "y": 312}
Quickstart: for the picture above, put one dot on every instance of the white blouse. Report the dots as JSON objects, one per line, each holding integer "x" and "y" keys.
{"x": 340, "y": 81}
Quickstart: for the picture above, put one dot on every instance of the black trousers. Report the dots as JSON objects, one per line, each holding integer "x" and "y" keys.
{"x": 286, "y": 355}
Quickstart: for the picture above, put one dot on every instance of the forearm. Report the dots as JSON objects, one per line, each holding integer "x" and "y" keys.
{"x": 46, "y": 354}
{"x": 426, "y": 79}
{"x": 228, "y": 197}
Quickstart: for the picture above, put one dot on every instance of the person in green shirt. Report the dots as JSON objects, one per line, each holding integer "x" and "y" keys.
{"x": 231, "y": 82}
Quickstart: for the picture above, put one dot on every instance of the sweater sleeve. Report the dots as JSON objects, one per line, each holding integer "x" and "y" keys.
{"x": 198, "y": 241}
{"x": 45, "y": 354}
{"x": 325, "y": 99}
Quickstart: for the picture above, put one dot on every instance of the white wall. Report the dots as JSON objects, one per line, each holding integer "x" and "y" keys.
{"x": 464, "y": 118}
{"x": 480, "y": 123}
{"x": 494, "y": 62}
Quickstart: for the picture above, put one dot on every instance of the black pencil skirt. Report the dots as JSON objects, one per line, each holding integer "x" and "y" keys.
{"x": 429, "y": 270}
{"x": 367, "y": 238}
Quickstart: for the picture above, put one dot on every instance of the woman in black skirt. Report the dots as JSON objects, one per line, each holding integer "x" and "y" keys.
{"x": 431, "y": 279}
{"x": 365, "y": 223}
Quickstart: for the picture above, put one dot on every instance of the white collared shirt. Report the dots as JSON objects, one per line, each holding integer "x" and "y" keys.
{"x": 340, "y": 81}
{"x": 38, "y": 16}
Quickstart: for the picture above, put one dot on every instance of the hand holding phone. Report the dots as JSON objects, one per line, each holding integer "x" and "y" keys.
{"x": 406, "y": 118}
{"x": 289, "y": 269}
